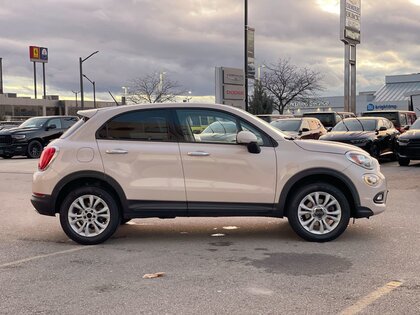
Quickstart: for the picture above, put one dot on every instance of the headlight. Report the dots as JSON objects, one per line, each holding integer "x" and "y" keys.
{"x": 361, "y": 159}
{"x": 403, "y": 140}
{"x": 18, "y": 137}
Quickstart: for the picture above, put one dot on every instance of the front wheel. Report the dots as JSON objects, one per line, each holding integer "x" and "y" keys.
{"x": 319, "y": 212}
{"x": 89, "y": 215}
{"x": 34, "y": 149}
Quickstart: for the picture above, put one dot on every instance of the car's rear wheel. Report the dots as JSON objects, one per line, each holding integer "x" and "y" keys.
{"x": 89, "y": 215}
{"x": 34, "y": 149}
{"x": 319, "y": 212}
{"x": 6, "y": 156}
{"x": 403, "y": 161}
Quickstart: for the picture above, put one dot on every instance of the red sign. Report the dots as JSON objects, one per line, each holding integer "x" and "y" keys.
{"x": 38, "y": 54}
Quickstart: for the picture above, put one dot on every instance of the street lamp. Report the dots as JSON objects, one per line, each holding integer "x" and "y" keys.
{"x": 82, "y": 101}
{"x": 94, "y": 90}
{"x": 75, "y": 93}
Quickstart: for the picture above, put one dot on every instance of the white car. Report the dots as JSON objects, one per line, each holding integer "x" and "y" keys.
{"x": 142, "y": 161}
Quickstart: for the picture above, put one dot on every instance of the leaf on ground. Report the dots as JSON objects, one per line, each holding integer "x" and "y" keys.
{"x": 153, "y": 275}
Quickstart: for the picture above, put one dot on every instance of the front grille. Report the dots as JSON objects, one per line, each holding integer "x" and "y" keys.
{"x": 5, "y": 140}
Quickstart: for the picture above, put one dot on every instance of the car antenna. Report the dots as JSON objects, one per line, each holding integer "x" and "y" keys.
{"x": 113, "y": 98}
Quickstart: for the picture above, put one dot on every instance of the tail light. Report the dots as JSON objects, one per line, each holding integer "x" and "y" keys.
{"x": 46, "y": 157}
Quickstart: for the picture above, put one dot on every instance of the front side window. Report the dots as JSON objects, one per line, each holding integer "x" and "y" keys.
{"x": 141, "y": 125}
{"x": 210, "y": 126}
{"x": 56, "y": 122}
{"x": 351, "y": 124}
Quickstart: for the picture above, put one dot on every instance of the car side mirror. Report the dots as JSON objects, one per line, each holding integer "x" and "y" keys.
{"x": 51, "y": 127}
{"x": 250, "y": 140}
{"x": 329, "y": 129}
{"x": 383, "y": 128}
{"x": 407, "y": 127}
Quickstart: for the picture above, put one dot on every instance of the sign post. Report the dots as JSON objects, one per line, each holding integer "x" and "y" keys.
{"x": 350, "y": 27}
{"x": 39, "y": 54}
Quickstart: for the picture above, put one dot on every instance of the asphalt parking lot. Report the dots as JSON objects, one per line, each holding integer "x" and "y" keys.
{"x": 211, "y": 265}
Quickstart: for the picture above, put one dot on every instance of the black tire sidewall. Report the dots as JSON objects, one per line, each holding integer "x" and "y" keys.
{"x": 114, "y": 215}
{"x": 29, "y": 151}
{"x": 403, "y": 161}
{"x": 322, "y": 187}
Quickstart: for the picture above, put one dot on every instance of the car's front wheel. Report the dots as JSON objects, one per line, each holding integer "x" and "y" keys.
{"x": 34, "y": 149}
{"x": 89, "y": 215}
{"x": 319, "y": 212}
{"x": 403, "y": 161}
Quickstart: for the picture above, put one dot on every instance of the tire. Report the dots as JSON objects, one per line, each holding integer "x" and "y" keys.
{"x": 375, "y": 151}
{"x": 6, "y": 157}
{"x": 95, "y": 213}
{"x": 331, "y": 212}
{"x": 34, "y": 149}
{"x": 403, "y": 161}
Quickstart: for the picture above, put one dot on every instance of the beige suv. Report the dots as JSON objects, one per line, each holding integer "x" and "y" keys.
{"x": 172, "y": 160}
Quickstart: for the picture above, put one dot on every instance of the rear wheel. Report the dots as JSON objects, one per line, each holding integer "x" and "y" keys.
{"x": 403, "y": 161}
{"x": 89, "y": 215}
{"x": 6, "y": 156}
{"x": 34, "y": 149}
{"x": 319, "y": 212}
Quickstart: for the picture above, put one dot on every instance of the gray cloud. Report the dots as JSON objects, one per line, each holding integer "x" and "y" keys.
{"x": 188, "y": 38}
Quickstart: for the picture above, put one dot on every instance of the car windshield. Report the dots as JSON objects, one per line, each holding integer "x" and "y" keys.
{"x": 416, "y": 125}
{"x": 287, "y": 125}
{"x": 356, "y": 125}
{"x": 35, "y": 122}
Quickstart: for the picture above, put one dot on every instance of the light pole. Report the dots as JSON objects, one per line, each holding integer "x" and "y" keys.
{"x": 125, "y": 94}
{"x": 94, "y": 90}
{"x": 75, "y": 93}
{"x": 246, "y": 53}
{"x": 82, "y": 101}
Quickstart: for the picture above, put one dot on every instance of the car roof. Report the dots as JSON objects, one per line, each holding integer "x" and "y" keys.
{"x": 364, "y": 118}
{"x": 388, "y": 111}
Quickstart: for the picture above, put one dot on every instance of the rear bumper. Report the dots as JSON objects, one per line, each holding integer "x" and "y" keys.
{"x": 43, "y": 204}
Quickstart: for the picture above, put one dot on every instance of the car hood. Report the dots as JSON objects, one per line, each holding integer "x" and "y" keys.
{"x": 348, "y": 135}
{"x": 326, "y": 146}
{"x": 411, "y": 134}
{"x": 17, "y": 130}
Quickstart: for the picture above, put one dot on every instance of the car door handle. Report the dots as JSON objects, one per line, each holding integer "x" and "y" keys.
{"x": 116, "y": 151}
{"x": 198, "y": 153}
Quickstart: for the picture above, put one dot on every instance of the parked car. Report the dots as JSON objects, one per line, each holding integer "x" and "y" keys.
{"x": 329, "y": 119}
{"x": 373, "y": 134}
{"x": 273, "y": 117}
{"x": 9, "y": 124}
{"x": 408, "y": 145}
{"x": 300, "y": 128}
{"x": 32, "y": 135}
{"x": 140, "y": 161}
{"x": 400, "y": 118}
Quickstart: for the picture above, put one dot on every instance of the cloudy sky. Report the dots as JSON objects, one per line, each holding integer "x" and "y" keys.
{"x": 188, "y": 38}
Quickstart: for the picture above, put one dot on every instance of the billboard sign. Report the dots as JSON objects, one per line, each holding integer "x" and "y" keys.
{"x": 38, "y": 54}
{"x": 350, "y": 25}
{"x": 230, "y": 86}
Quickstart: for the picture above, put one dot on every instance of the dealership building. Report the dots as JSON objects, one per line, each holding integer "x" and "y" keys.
{"x": 398, "y": 93}
{"x": 21, "y": 108}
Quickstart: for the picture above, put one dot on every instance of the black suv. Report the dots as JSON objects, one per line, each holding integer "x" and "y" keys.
{"x": 31, "y": 136}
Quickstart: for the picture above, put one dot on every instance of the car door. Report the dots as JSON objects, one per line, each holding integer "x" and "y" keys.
{"x": 140, "y": 151}
{"x": 221, "y": 176}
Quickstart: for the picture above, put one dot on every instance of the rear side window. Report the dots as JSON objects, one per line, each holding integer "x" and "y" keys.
{"x": 403, "y": 119}
{"x": 143, "y": 125}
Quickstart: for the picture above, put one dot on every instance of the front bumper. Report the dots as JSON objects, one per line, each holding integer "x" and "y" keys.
{"x": 43, "y": 204}
{"x": 409, "y": 151}
{"x": 370, "y": 204}
{"x": 14, "y": 149}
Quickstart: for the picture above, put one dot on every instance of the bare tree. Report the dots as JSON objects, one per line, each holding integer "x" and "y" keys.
{"x": 287, "y": 83}
{"x": 153, "y": 88}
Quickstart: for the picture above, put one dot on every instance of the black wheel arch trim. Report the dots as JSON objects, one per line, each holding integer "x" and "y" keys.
{"x": 285, "y": 193}
{"x": 92, "y": 175}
